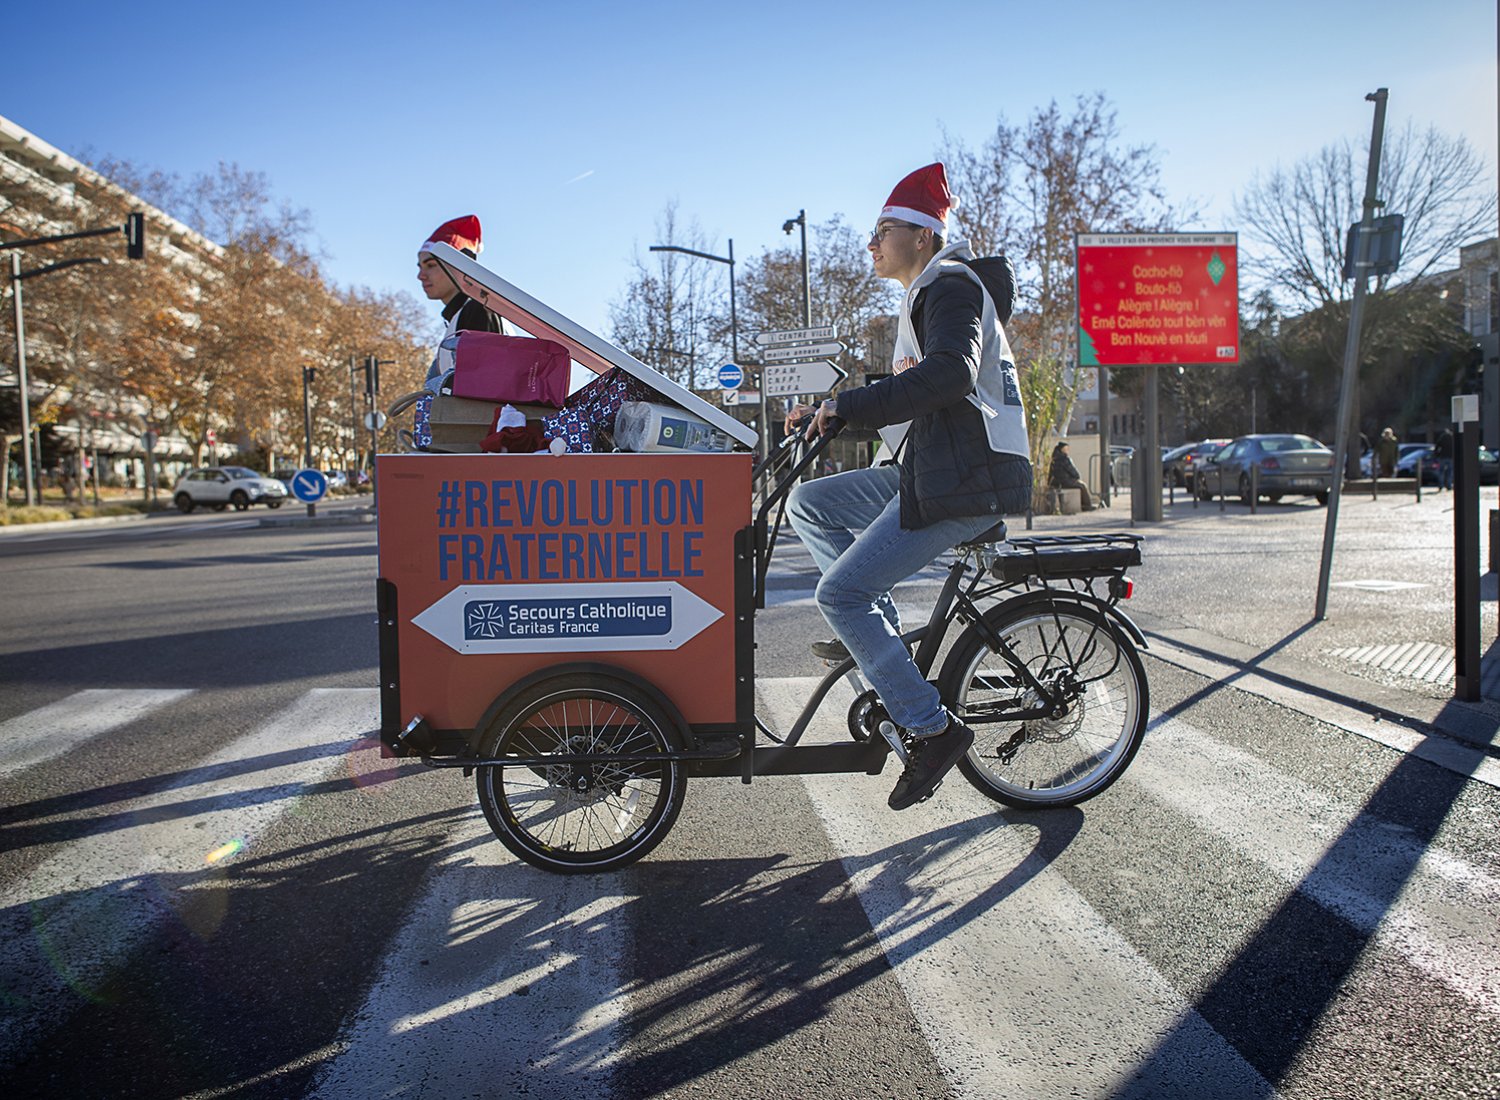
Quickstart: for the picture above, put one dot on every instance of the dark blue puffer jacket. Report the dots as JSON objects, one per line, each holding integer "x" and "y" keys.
{"x": 947, "y": 467}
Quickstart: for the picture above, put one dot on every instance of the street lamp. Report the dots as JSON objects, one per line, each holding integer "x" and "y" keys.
{"x": 786, "y": 227}
{"x": 16, "y": 275}
{"x": 135, "y": 248}
{"x": 734, "y": 325}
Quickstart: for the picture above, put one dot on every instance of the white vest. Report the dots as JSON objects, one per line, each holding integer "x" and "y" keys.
{"x": 997, "y": 393}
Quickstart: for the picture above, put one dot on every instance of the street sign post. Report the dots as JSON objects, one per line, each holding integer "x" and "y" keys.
{"x": 739, "y": 397}
{"x": 787, "y": 379}
{"x": 794, "y": 335}
{"x": 800, "y": 353}
{"x": 309, "y": 486}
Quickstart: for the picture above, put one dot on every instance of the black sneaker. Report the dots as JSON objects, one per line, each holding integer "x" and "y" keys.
{"x": 831, "y": 650}
{"x": 928, "y": 760}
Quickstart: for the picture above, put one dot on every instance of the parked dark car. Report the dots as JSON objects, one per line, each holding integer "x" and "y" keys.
{"x": 1283, "y": 465}
{"x": 1488, "y": 467}
{"x": 1180, "y": 463}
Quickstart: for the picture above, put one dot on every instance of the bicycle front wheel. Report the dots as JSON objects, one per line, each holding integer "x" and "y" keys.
{"x": 578, "y": 817}
{"x": 1081, "y": 656}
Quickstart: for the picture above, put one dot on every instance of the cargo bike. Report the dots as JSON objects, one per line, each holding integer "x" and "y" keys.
{"x": 577, "y": 632}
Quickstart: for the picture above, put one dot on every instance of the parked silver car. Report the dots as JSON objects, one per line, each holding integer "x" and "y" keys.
{"x": 217, "y": 487}
{"x": 1276, "y": 465}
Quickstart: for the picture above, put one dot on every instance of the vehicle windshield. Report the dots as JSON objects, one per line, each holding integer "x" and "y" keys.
{"x": 1290, "y": 443}
{"x": 239, "y": 472}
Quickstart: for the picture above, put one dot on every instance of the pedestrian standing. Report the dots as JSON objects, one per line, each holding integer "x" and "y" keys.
{"x": 1442, "y": 451}
{"x": 1386, "y": 452}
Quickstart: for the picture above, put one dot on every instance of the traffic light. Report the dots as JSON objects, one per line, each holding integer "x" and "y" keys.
{"x": 135, "y": 236}
{"x": 372, "y": 375}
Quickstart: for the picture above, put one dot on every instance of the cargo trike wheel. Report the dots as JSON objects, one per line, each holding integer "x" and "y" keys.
{"x": 590, "y": 816}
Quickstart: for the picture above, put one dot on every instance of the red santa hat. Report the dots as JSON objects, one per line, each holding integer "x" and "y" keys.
{"x": 462, "y": 233}
{"x": 922, "y": 198}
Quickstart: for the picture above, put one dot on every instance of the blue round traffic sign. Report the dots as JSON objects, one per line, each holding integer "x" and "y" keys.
{"x": 309, "y": 486}
{"x": 731, "y": 375}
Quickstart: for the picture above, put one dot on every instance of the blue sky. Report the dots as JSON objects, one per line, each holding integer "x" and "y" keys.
{"x": 567, "y": 126}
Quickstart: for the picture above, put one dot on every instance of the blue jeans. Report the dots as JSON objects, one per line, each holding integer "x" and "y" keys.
{"x": 851, "y": 525}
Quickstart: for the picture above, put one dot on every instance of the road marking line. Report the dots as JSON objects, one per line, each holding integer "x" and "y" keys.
{"x": 984, "y": 938}
{"x": 502, "y": 982}
{"x": 60, "y": 727}
{"x": 1434, "y": 909}
{"x": 80, "y": 912}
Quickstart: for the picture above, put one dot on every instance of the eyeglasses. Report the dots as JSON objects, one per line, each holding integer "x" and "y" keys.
{"x": 880, "y": 231}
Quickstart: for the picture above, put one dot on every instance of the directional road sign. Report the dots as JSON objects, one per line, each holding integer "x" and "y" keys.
{"x": 730, "y": 376}
{"x": 787, "y": 379}
{"x": 794, "y": 335}
{"x": 802, "y": 353}
{"x": 739, "y": 397}
{"x": 308, "y": 486}
{"x": 375, "y": 420}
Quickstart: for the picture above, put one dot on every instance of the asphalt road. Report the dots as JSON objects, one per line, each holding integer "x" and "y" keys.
{"x": 214, "y": 886}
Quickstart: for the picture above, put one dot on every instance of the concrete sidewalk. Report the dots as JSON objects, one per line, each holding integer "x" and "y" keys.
{"x": 1232, "y": 595}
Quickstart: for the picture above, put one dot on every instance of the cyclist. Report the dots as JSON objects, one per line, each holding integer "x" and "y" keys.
{"x": 950, "y": 416}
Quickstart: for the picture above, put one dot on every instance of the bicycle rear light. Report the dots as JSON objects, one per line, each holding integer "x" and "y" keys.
{"x": 1121, "y": 588}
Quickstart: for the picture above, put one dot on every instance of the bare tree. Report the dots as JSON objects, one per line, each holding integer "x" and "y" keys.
{"x": 1296, "y": 222}
{"x": 1028, "y": 191}
{"x": 843, "y": 288}
{"x": 668, "y": 314}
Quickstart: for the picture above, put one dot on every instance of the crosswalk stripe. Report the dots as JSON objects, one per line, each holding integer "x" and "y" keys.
{"x": 501, "y": 982}
{"x": 1414, "y": 898}
{"x": 85, "y": 907}
{"x": 60, "y": 727}
{"x": 984, "y": 938}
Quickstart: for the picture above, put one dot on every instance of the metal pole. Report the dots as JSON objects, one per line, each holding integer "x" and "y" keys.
{"x": 353, "y": 463}
{"x": 1467, "y": 675}
{"x": 1150, "y": 456}
{"x": 306, "y": 421}
{"x": 806, "y": 283}
{"x": 15, "y": 289}
{"x": 1351, "y": 351}
{"x": 1106, "y": 467}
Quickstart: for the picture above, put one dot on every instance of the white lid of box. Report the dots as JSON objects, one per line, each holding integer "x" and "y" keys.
{"x": 594, "y": 352}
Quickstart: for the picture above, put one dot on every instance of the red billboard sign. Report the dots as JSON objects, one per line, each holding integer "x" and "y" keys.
{"x": 1148, "y": 298}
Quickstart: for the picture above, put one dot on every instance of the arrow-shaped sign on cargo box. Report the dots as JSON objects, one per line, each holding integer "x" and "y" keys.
{"x": 783, "y": 381}
{"x": 565, "y": 618}
{"x": 808, "y": 352}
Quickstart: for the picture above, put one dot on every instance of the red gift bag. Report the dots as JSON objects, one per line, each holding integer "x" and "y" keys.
{"x": 515, "y": 370}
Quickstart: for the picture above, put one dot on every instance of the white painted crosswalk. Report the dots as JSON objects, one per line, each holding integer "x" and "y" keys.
{"x": 1021, "y": 985}
{"x": 153, "y": 855}
{"x": 60, "y": 727}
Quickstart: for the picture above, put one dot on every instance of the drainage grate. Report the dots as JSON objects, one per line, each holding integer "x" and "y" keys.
{"x": 1426, "y": 661}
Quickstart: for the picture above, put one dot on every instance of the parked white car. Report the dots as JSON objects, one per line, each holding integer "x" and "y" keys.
{"x": 217, "y": 487}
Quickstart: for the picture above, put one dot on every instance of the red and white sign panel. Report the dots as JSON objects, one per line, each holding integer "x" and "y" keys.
{"x": 1158, "y": 298}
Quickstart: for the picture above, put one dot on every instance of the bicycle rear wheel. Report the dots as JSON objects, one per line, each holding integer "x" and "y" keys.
{"x": 575, "y": 818}
{"x": 1087, "y": 743}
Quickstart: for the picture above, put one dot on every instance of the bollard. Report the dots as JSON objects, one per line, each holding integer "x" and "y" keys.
{"x": 1254, "y": 485}
{"x": 1495, "y": 540}
{"x": 1419, "y": 480}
